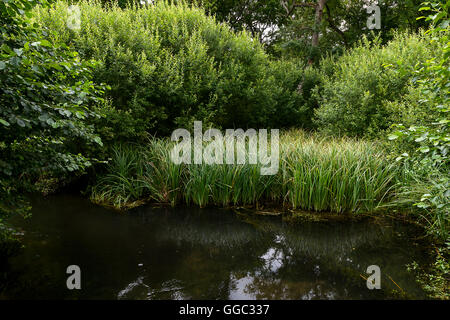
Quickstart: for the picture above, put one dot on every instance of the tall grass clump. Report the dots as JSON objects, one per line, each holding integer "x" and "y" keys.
{"x": 136, "y": 173}
{"x": 425, "y": 192}
{"x": 317, "y": 173}
{"x": 226, "y": 185}
{"x": 162, "y": 178}
{"x": 331, "y": 174}
{"x": 120, "y": 187}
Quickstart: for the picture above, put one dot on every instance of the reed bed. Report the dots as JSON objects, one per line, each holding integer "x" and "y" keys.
{"x": 317, "y": 173}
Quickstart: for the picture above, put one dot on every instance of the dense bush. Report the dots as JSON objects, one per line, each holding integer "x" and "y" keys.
{"x": 426, "y": 143}
{"x": 359, "y": 87}
{"x": 44, "y": 106}
{"x": 46, "y": 91}
{"x": 169, "y": 64}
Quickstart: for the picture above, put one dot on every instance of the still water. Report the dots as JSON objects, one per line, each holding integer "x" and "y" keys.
{"x": 190, "y": 253}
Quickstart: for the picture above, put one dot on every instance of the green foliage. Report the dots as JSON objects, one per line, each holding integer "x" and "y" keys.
{"x": 424, "y": 191}
{"x": 435, "y": 281}
{"x": 169, "y": 64}
{"x": 46, "y": 90}
{"x": 340, "y": 175}
{"x": 260, "y": 18}
{"x": 287, "y": 31}
{"x": 428, "y": 140}
{"x": 432, "y": 80}
{"x": 343, "y": 24}
{"x": 359, "y": 87}
{"x": 316, "y": 173}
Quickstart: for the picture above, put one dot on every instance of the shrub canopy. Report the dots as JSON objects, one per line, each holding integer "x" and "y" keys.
{"x": 359, "y": 88}
{"x": 170, "y": 64}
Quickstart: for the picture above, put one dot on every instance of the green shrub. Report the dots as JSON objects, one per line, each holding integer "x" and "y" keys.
{"x": 359, "y": 88}
{"x": 427, "y": 140}
{"x": 46, "y": 92}
{"x": 170, "y": 64}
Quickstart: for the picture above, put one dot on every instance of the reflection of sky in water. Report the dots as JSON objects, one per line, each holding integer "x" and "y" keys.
{"x": 238, "y": 290}
{"x": 255, "y": 286}
{"x": 138, "y": 288}
{"x": 188, "y": 253}
{"x": 316, "y": 293}
{"x": 138, "y": 283}
{"x": 273, "y": 259}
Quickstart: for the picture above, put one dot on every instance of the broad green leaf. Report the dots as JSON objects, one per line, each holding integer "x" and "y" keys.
{"x": 4, "y": 122}
{"x": 45, "y": 43}
{"x": 424, "y": 149}
{"x": 20, "y": 122}
{"x": 393, "y": 136}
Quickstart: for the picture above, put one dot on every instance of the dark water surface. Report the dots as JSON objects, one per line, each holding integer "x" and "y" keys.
{"x": 190, "y": 253}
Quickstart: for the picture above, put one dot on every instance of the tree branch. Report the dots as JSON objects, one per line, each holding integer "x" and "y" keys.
{"x": 334, "y": 27}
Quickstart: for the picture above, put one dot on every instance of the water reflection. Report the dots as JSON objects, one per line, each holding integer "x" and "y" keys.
{"x": 188, "y": 253}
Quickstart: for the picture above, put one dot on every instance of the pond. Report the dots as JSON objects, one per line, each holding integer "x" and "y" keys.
{"x": 192, "y": 253}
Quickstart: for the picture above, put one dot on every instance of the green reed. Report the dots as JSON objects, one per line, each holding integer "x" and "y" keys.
{"x": 316, "y": 173}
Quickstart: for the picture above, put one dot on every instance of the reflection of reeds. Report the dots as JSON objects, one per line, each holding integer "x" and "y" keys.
{"x": 333, "y": 240}
{"x": 336, "y": 240}
{"x": 342, "y": 250}
{"x": 316, "y": 174}
{"x": 215, "y": 228}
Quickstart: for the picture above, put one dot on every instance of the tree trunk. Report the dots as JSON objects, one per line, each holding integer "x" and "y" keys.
{"x": 317, "y": 22}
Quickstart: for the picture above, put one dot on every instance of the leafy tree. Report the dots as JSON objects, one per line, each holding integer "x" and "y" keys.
{"x": 261, "y": 18}
{"x": 430, "y": 140}
{"x": 359, "y": 88}
{"x": 318, "y": 27}
{"x": 308, "y": 28}
{"x": 176, "y": 65}
{"x": 45, "y": 93}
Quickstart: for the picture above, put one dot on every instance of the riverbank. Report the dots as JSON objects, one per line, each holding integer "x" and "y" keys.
{"x": 82, "y": 97}
{"x": 316, "y": 173}
{"x": 320, "y": 178}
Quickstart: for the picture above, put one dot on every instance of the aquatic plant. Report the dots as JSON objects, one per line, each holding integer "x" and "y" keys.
{"x": 317, "y": 173}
